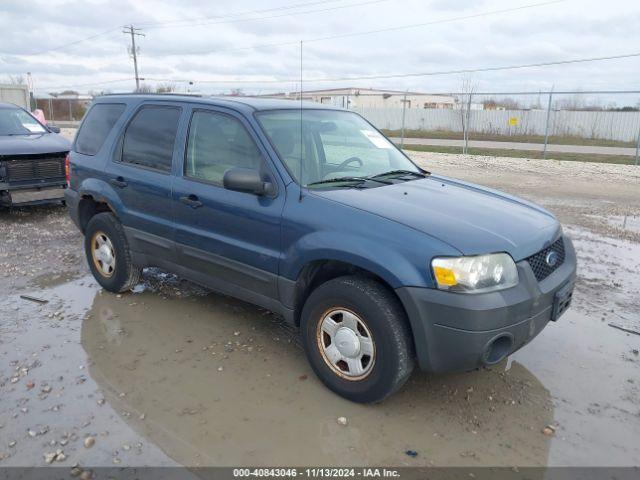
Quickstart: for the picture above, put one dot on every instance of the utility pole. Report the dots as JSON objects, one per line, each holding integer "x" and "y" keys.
{"x": 467, "y": 116}
{"x": 32, "y": 100}
{"x": 638, "y": 150}
{"x": 546, "y": 125}
{"x": 133, "y": 32}
{"x": 404, "y": 112}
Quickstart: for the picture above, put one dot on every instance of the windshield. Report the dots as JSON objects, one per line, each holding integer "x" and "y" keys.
{"x": 335, "y": 144}
{"x": 15, "y": 121}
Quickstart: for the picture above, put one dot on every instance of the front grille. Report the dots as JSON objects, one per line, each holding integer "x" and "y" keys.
{"x": 19, "y": 170}
{"x": 50, "y": 169}
{"x": 34, "y": 168}
{"x": 538, "y": 262}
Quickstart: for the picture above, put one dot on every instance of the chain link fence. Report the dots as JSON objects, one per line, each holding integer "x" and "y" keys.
{"x": 565, "y": 125}
{"x": 603, "y": 125}
{"x": 62, "y": 109}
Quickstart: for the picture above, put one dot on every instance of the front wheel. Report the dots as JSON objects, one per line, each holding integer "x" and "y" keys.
{"x": 108, "y": 254}
{"x": 357, "y": 338}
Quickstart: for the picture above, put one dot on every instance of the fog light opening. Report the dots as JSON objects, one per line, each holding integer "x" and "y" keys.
{"x": 498, "y": 349}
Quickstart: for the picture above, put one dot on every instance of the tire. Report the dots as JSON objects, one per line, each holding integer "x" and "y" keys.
{"x": 379, "y": 316}
{"x": 117, "y": 274}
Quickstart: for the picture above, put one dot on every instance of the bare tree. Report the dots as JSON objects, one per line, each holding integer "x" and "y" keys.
{"x": 573, "y": 102}
{"x": 144, "y": 88}
{"x": 506, "y": 103}
{"x": 467, "y": 89}
{"x": 166, "y": 88}
{"x": 16, "y": 79}
{"x": 595, "y": 124}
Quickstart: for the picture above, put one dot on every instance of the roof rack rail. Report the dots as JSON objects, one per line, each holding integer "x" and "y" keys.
{"x": 163, "y": 94}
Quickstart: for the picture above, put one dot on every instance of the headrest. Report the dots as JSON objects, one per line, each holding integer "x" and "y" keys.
{"x": 285, "y": 142}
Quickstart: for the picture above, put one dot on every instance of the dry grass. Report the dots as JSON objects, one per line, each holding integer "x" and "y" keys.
{"x": 557, "y": 140}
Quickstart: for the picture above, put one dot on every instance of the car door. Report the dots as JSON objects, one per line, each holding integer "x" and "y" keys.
{"x": 141, "y": 174}
{"x": 230, "y": 238}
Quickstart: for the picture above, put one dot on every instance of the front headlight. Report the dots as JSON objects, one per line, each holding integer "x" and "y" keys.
{"x": 478, "y": 274}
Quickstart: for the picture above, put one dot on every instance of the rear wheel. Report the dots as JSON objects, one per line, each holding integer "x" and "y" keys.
{"x": 108, "y": 254}
{"x": 357, "y": 339}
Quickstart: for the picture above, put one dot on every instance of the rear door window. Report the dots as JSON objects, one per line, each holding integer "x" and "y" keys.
{"x": 96, "y": 127}
{"x": 150, "y": 137}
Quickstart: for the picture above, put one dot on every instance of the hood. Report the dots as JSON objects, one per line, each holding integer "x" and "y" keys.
{"x": 33, "y": 144}
{"x": 468, "y": 217}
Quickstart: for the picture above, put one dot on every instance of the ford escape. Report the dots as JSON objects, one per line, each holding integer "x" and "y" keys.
{"x": 310, "y": 212}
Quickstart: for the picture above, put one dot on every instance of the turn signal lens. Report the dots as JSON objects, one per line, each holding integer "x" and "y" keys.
{"x": 445, "y": 276}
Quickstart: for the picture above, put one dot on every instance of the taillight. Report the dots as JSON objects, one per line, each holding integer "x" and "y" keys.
{"x": 67, "y": 170}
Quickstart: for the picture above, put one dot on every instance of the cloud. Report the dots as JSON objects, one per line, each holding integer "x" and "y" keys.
{"x": 217, "y": 50}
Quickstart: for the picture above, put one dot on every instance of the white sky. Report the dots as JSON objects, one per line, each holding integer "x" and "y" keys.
{"x": 567, "y": 30}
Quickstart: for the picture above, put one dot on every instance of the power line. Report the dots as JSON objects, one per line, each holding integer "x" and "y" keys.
{"x": 445, "y": 72}
{"x": 184, "y": 80}
{"x": 105, "y": 82}
{"x": 160, "y": 25}
{"x": 437, "y": 22}
{"x": 238, "y": 14}
{"x": 418, "y": 74}
{"x": 288, "y": 14}
{"x": 389, "y": 29}
{"x": 329, "y": 37}
{"x": 478, "y": 70}
{"x": 65, "y": 45}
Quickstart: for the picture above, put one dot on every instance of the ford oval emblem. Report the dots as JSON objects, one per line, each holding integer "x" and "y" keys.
{"x": 551, "y": 259}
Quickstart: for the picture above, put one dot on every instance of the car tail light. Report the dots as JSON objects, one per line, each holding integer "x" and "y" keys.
{"x": 67, "y": 170}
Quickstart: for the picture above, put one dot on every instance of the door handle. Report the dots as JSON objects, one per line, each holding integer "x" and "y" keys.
{"x": 118, "y": 182}
{"x": 191, "y": 200}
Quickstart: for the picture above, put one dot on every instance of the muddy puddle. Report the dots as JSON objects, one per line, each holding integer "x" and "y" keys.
{"x": 173, "y": 373}
{"x": 221, "y": 383}
{"x": 608, "y": 277}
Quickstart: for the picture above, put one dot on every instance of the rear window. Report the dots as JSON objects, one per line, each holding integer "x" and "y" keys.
{"x": 150, "y": 137}
{"x": 95, "y": 128}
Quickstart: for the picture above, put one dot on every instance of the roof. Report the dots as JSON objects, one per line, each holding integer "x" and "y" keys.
{"x": 8, "y": 105}
{"x": 239, "y": 102}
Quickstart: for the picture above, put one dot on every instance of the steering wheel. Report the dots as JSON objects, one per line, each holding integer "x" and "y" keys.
{"x": 348, "y": 161}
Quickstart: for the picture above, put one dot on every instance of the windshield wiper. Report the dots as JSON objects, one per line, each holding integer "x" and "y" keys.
{"x": 399, "y": 173}
{"x": 359, "y": 180}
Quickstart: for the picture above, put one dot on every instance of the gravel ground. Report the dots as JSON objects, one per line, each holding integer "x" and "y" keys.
{"x": 592, "y": 195}
{"x": 173, "y": 374}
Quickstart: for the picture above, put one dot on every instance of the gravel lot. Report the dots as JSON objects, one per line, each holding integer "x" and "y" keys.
{"x": 172, "y": 373}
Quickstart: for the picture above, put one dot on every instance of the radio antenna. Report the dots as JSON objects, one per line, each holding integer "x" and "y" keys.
{"x": 301, "y": 137}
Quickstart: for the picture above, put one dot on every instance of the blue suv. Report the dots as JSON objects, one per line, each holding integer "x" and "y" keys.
{"x": 311, "y": 213}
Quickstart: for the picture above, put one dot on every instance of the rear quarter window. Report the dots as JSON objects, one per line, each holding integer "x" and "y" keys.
{"x": 96, "y": 127}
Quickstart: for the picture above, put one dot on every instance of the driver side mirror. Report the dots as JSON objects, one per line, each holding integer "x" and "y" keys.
{"x": 248, "y": 181}
{"x": 53, "y": 128}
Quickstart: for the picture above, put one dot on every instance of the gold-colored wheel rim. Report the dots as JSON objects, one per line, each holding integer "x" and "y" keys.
{"x": 103, "y": 254}
{"x": 346, "y": 344}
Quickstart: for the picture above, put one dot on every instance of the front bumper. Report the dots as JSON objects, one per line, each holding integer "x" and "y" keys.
{"x": 458, "y": 331}
{"x": 32, "y": 195}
